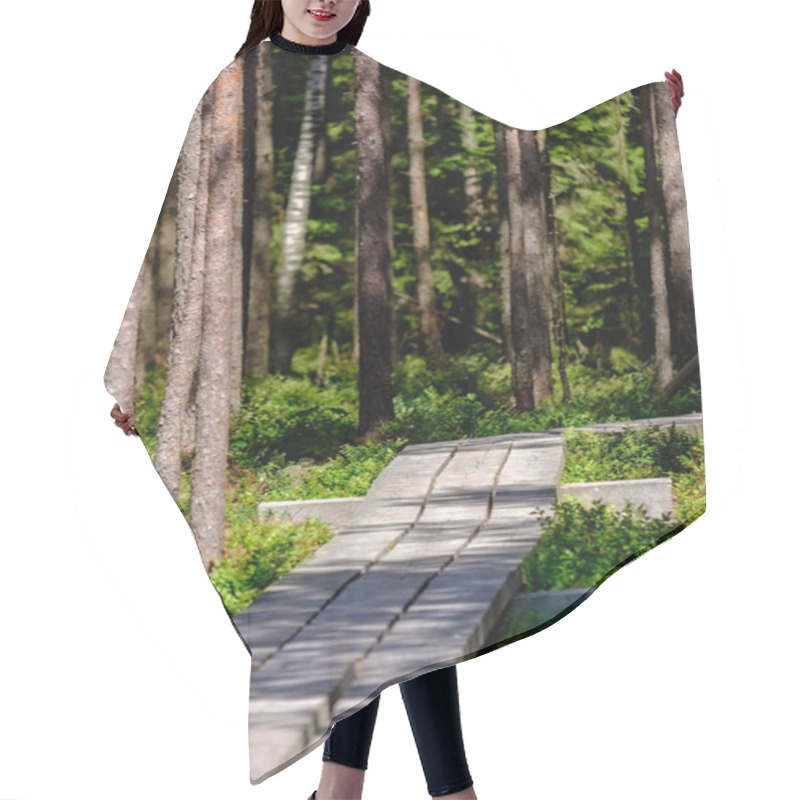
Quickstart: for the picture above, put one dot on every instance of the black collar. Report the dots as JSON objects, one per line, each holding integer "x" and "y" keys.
{"x": 308, "y": 49}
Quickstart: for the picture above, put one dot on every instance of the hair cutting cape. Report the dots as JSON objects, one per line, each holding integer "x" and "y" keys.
{"x": 419, "y": 381}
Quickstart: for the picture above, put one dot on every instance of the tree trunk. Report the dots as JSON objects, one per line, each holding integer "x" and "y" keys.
{"x": 258, "y": 300}
{"x": 235, "y": 267}
{"x": 187, "y": 304}
{"x": 373, "y": 260}
{"x": 120, "y": 377}
{"x": 297, "y": 210}
{"x": 535, "y": 260}
{"x": 472, "y": 181}
{"x": 663, "y": 360}
{"x": 214, "y": 385}
{"x": 386, "y": 127}
{"x": 554, "y": 268}
{"x": 522, "y": 365}
{"x": 501, "y": 170}
{"x": 681, "y": 293}
{"x": 164, "y": 273}
{"x": 321, "y": 152}
{"x": 431, "y": 338}
{"x": 146, "y": 340}
{"x": 639, "y": 281}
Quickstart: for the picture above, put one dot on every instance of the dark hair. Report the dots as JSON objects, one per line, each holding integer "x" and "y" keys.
{"x": 266, "y": 18}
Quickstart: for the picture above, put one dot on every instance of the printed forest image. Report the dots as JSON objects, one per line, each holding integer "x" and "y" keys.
{"x": 410, "y": 370}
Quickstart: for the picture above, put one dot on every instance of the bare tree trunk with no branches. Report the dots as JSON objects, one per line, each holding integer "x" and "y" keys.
{"x": 522, "y": 366}
{"x": 663, "y": 359}
{"x": 535, "y": 259}
{"x": 375, "y": 309}
{"x": 431, "y": 339}
{"x": 187, "y": 303}
{"x": 681, "y": 292}
{"x": 209, "y": 474}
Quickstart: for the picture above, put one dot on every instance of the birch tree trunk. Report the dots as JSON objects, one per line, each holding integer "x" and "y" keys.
{"x": 431, "y": 338}
{"x": 296, "y": 220}
{"x": 187, "y": 304}
{"x": 373, "y": 259}
{"x": 681, "y": 295}
{"x": 663, "y": 360}
{"x": 209, "y": 474}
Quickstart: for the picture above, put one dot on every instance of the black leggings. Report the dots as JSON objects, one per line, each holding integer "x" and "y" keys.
{"x": 432, "y": 706}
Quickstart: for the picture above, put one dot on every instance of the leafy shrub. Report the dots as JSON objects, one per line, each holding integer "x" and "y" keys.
{"x": 257, "y": 553}
{"x": 582, "y": 545}
{"x": 434, "y": 416}
{"x": 290, "y": 417}
{"x": 349, "y": 474}
{"x": 651, "y": 452}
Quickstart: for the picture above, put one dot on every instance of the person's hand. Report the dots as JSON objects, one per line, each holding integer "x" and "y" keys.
{"x": 124, "y": 420}
{"x": 675, "y": 82}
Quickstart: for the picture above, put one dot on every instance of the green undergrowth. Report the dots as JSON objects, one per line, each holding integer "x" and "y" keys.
{"x": 583, "y": 544}
{"x": 295, "y": 438}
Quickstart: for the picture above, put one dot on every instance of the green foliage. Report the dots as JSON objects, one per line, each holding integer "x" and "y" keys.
{"x": 652, "y": 452}
{"x": 258, "y": 553}
{"x": 148, "y": 405}
{"x": 582, "y": 545}
{"x": 350, "y": 473}
{"x": 434, "y": 416}
{"x": 290, "y": 418}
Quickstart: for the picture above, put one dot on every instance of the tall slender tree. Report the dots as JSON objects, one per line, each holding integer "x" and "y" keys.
{"x": 164, "y": 271}
{"x": 504, "y": 238}
{"x": 663, "y": 357}
{"x": 522, "y": 364}
{"x": 681, "y": 295}
{"x": 259, "y": 210}
{"x": 236, "y": 271}
{"x": 375, "y": 317}
{"x": 559, "y": 329}
{"x": 386, "y": 127}
{"x": 536, "y": 270}
{"x": 187, "y": 303}
{"x": 121, "y": 372}
{"x": 321, "y": 153}
{"x": 297, "y": 210}
{"x": 426, "y": 294}
{"x": 209, "y": 470}
{"x": 472, "y": 181}
{"x": 639, "y": 280}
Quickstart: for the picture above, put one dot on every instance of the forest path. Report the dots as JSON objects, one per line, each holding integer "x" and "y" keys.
{"x": 416, "y": 582}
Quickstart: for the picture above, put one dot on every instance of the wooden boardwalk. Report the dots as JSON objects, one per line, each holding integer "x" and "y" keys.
{"x": 415, "y": 582}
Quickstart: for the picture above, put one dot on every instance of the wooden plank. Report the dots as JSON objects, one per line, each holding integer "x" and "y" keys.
{"x": 450, "y": 620}
{"x": 390, "y": 508}
{"x": 320, "y": 660}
